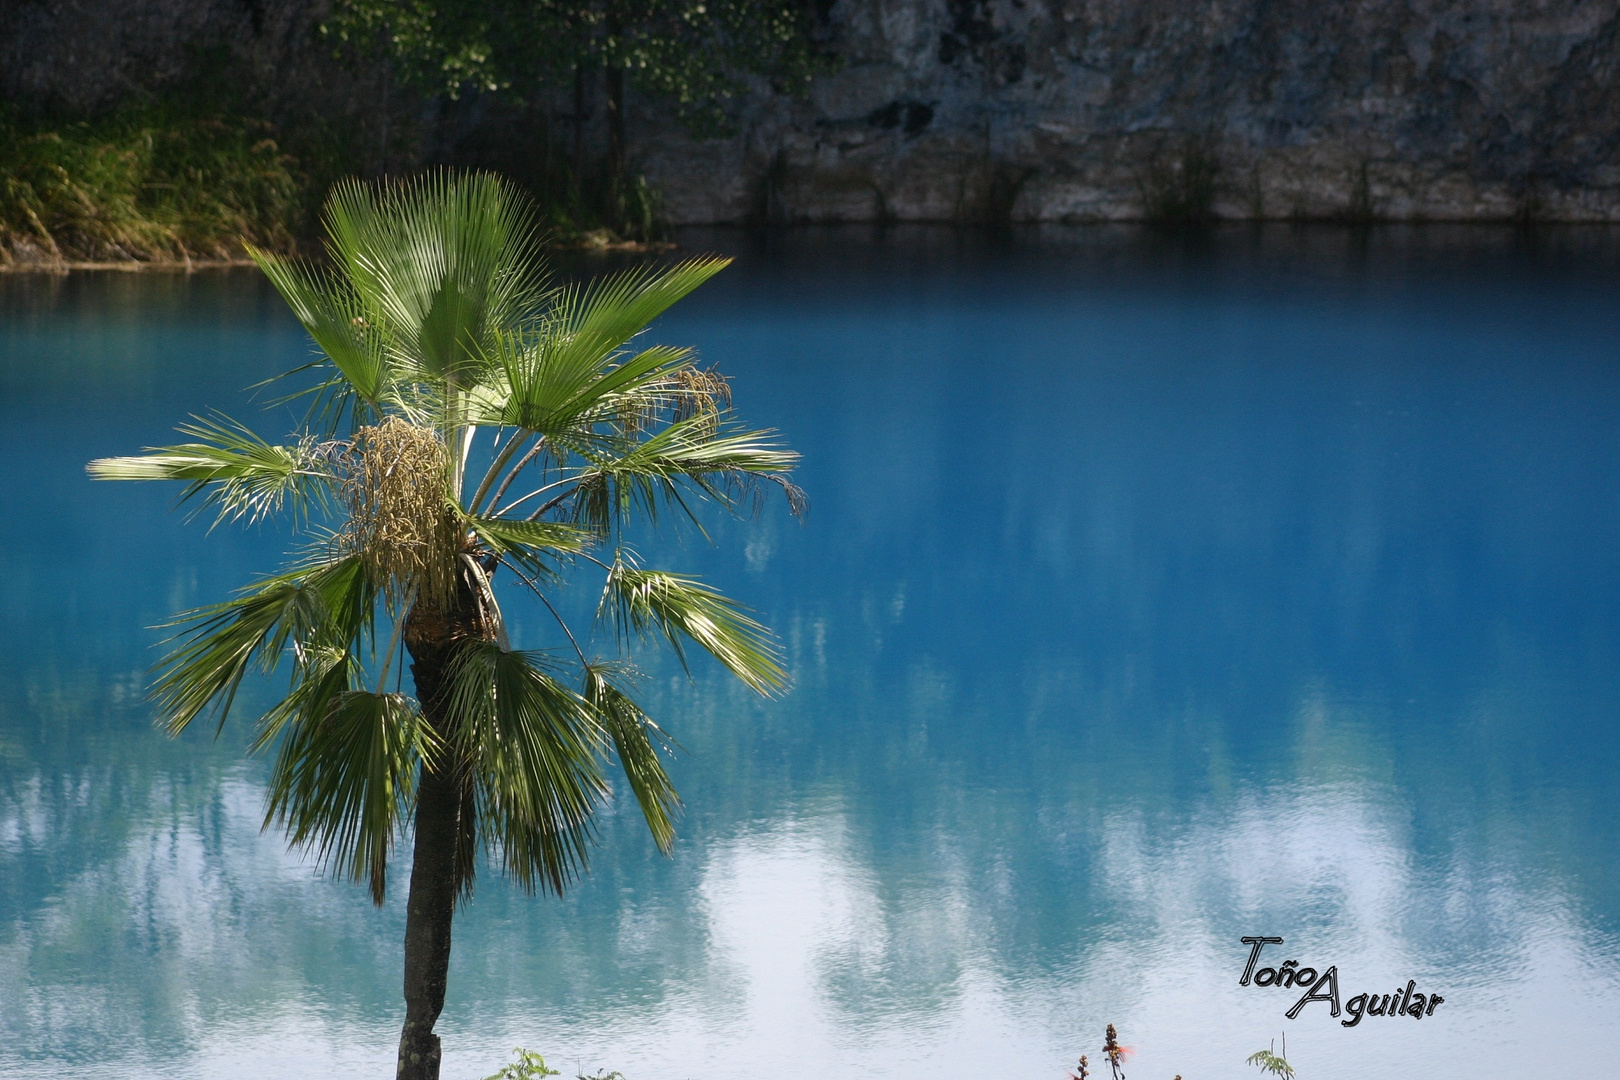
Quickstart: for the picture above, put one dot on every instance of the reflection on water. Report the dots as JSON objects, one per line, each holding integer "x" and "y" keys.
{"x": 1154, "y": 594}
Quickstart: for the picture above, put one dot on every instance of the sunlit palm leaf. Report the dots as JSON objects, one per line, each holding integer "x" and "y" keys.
{"x": 345, "y": 773}
{"x": 694, "y": 446}
{"x": 560, "y": 374}
{"x": 305, "y": 608}
{"x": 236, "y": 472}
{"x": 533, "y": 546}
{"x": 504, "y": 534}
{"x": 726, "y": 467}
{"x": 537, "y": 754}
{"x": 682, "y": 609}
{"x": 636, "y": 741}
{"x": 439, "y": 263}
{"x": 335, "y": 317}
{"x": 546, "y": 387}
{"x": 594, "y": 320}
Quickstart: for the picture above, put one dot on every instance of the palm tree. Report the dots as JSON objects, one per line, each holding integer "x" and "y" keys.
{"x": 467, "y": 418}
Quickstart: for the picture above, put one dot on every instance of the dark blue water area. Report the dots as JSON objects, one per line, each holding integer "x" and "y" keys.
{"x": 1156, "y": 591}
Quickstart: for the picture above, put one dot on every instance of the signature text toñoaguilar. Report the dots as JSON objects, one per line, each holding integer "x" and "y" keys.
{"x": 1324, "y": 986}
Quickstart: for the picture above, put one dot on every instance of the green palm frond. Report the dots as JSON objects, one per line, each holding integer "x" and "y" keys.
{"x": 637, "y": 741}
{"x": 697, "y": 445}
{"x": 560, "y": 374}
{"x": 683, "y": 608}
{"x": 542, "y": 383}
{"x": 438, "y": 264}
{"x": 307, "y": 608}
{"x": 724, "y": 462}
{"x": 504, "y": 534}
{"x": 345, "y": 772}
{"x": 238, "y": 473}
{"x": 533, "y": 546}
{"x": 333, "y": 315}
{"x": 592, "y": 322}
{"x": 536, "y": 752}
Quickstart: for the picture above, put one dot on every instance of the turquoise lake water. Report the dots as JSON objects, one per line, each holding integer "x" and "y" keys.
{"x": 1156, "y": 592}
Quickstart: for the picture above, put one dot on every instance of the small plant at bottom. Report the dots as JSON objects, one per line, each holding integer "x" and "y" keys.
{"x": 1081, "y": 1071}
{"x": 601, "y": 1074}
{"x": 526, "y": 1065}
{"x": 1115, "y": 1053}
{"x": 1268, "y": 1061}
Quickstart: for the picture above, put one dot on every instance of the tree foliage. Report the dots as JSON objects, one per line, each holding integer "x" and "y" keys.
{"x": 690, "y": 54}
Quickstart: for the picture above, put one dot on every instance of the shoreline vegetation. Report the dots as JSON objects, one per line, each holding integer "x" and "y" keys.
{"x": 147, "y": 185}
{"x": 173, "y": 188}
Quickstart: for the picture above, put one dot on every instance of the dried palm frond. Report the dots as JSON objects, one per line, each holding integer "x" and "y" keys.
{"x": 676, "y": 395}
{"x": 697, "y": 392}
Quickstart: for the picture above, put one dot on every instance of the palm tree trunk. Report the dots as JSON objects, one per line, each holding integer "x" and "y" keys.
{"x": 436, "y": 870}
{"x": 428, "y": 914}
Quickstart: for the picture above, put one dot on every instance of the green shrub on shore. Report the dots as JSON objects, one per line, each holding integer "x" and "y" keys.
{"x": 147, "y": 185}
{"x": 173, "y": 183}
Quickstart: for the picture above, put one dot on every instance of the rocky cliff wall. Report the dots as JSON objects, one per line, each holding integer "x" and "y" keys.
{"x": 1112, "y": 109}
{"x": 1068, "y": 110}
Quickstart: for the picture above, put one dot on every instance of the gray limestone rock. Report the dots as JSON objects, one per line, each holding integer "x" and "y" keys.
{"x": 1084, "y": 110}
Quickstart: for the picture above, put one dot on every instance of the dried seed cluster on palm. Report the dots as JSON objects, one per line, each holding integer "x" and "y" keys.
{"x": 401, "y": 521}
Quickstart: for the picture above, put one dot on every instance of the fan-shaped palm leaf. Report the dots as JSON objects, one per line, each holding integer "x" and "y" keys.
{"x": 236, "y": 472}
{"x": 307, "y": 608}
{"x": 637, "y": 741}
{"x": 682, "y": 608}
{"x": 536, "y": 751}
{"x": 344, "y": 774}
